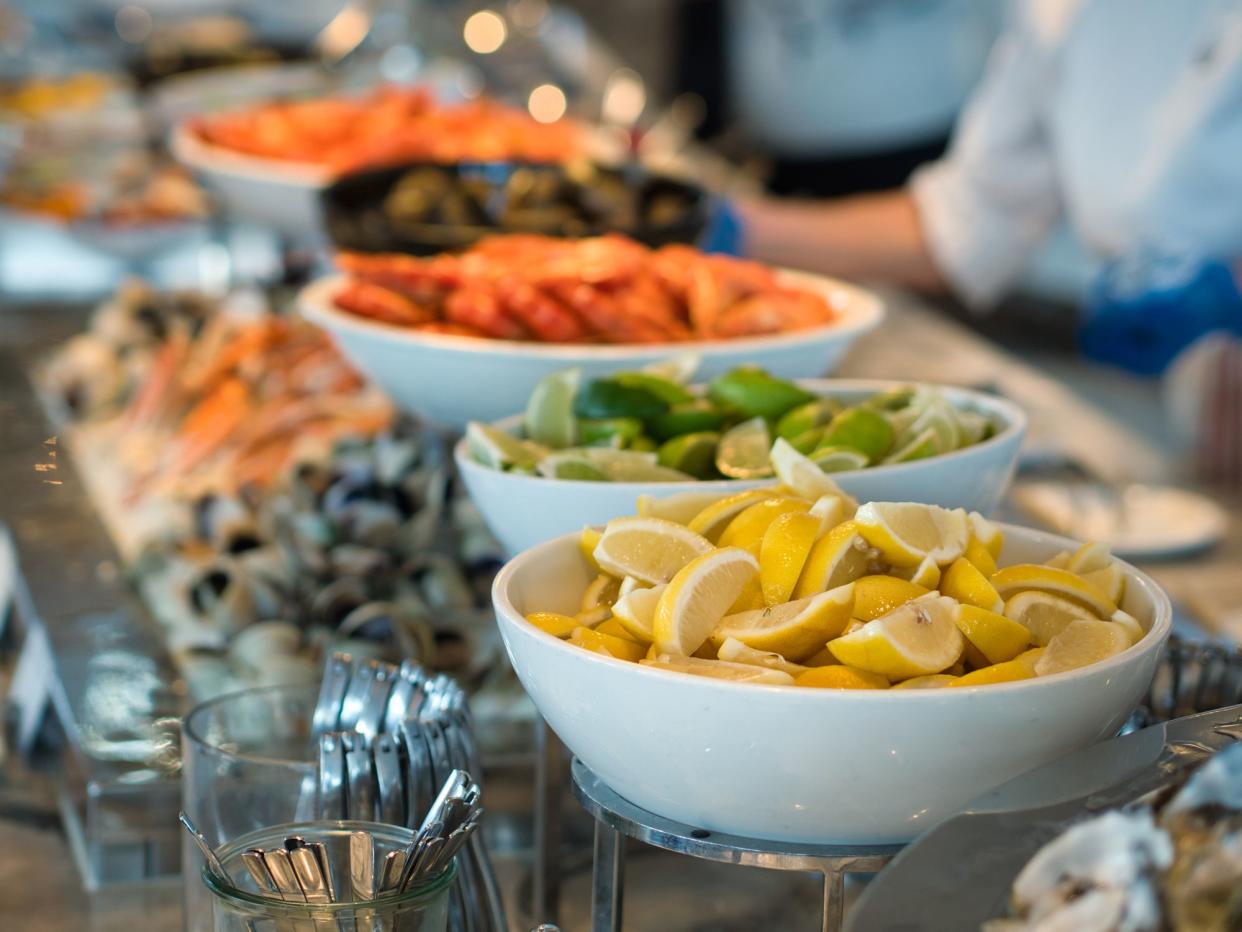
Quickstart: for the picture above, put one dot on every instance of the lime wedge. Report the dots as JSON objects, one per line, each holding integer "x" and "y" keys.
{"x": 807, "y": 441}
{"x": 616, "y": 432}
{"x": 579, "y": 470}
{"x": 799, "y": 420}
{"x": 924, "y": 445}
{"x": 606, "y": 398}
{"x": 893, "y": 400}
{"x": 753, "y": 393}
{"x": 938, "y": 417}
{"x": 972, "y": 427}
{"x": 691, "y": 453}
{"x": 550, "y": 410}
{"x": 667, "y": 391}
{"x": 743, "y": 450}
{"x": 628, "y": 466}
{"x": 860, "y": 429}
{"x": 839, "y": 459}
{"x": 687, "y": 418}
{"x": 680, "y": 368}
{"x": 643, "y": 444}
{"x": 496, "y": 449}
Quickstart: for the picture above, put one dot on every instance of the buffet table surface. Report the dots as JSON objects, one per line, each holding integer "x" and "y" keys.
{"x": 40, "y": 890}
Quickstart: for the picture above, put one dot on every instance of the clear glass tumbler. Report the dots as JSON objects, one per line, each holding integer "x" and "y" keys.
{"x": 248, "y": 762}
{"x": 240, "y": 906}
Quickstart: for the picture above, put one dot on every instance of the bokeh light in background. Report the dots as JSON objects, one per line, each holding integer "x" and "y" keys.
{"x": 547, "y": 103}
{"x": 528, "y": 14}
{"x": 625, "y": 98}
{"x": 485, "y": 32}
{"x": 133, "y": 24}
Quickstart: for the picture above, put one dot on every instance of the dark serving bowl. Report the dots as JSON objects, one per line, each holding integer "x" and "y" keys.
{"x": 425, "y": 208}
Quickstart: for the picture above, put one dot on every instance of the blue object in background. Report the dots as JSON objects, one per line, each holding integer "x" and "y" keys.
{"x": 724, "y": 230}
{"x": 1144, "y": 309}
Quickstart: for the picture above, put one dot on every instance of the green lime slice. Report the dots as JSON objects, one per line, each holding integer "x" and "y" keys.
{"x": 693, "y": 417}
{"x": 901, "y": 420}
{"x": 839, "y": 459}
{"x": 575, "y": 469}
{"x": 972, "y": 427}
{"x": 860, "y": 429}
{"x": 743, "y": 450}
{"x": 643, "y": 444}
{"x": 691, "y": 453}
{"x": 629, "y": 466}
{"x": 807, "y": 441}
{"x": 939, "y": 418}
{"x": 550, "y": 410}
{"x": 921, "y": 447}
{"x": 799, "y": 420}
{"x": 667, "y": 391}
{"x": 892, "y": 400}
{"x": 615, "y": 432}
{"x": 680, "y": 368}
{"x": 607, "y": 398}
{"x": 496, "y": 449}
{"x": 753, "y": 393}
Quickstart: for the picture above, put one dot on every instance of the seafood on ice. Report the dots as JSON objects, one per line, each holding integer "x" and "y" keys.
{"x": 606, "y": 289}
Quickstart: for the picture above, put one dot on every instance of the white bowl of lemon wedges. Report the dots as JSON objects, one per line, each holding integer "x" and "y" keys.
{"x": 524, "y": 508}
{"x": 808, "y": 670}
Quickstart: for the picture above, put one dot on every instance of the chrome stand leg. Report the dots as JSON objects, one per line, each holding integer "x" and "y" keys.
{"x": 834, "y": 901}
{"x": 549, "y": 790}
{"x": 607, "y": 879}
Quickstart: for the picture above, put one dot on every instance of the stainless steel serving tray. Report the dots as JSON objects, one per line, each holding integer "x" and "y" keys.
{"x": 959, "y": 875}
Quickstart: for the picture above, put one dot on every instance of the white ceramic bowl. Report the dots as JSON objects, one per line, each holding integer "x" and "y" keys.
{"x": 525, "y": 510}
{"x": 818, "y": 765}
{"x": 281, "y": 195}
{"x": 454, "y": 379}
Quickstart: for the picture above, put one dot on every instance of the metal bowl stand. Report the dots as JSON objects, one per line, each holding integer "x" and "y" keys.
{"x": 616, "y": 819}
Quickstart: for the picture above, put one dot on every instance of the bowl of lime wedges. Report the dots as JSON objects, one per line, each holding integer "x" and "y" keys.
{"x": 585, "y": 449}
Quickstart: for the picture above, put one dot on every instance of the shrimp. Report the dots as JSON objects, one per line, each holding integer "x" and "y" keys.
{"x": 383, "y": 304}
{"x": 478, "y": 306}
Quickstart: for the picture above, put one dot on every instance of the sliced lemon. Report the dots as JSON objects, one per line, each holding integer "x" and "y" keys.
{"x": 698, "y": 597}
{"x": 803, "y": 476}
{"x": 498, "y": 449}
{"x": 796, "y": 630}
{"x": 618, "y": 630}
{"x": 1014, "y": 579}
{"x": 839, "y": 557}
{"x": 876, "y": 596}
{"x": 649, "y": 549}
{"x": 1081, "y": 644}
{"x": 907, "y": 533}
{"x": 1009, "y": 672}
{"x": 1030, "y": 657}
{"x": 1111, "y": 580}
{"x": 715, "y": 517}
{"x": 635, "y": 611}
{"x": 680, "y": 507}
{"x": 554, "y": 623}
{"x": 786, "y": 544}
{"x": 608, "y": 645}
{"x": 587, "y": 543}
{"x": 629, "y": 584}
{"x": 980, "y": 556}
{"x": 743, "y": 450}
{"x": 934, "y": 681}
{"x": 1090, "y": 557}
{"x": 735, "y": 651}
{"x": 926, "y": 574}
{"x": 719, "y": 670}
{"x": 963, "y": 581}
{"x": 841, "y": 676}
{"x": 747, "y": 529}
{"x": 988, "y": 534}
{"x": 973, "y": 658}
{"x": 831, "y": 511}
{"x": 549, "y": 416}
{"x": 1044, "y": 615}
{"x": 590, "y": 617}
{"x": 914, "y": 640}
{"x": 1129, "y": 624}
{"x": 995, "y": 636}
{"x": 603, "y": 591}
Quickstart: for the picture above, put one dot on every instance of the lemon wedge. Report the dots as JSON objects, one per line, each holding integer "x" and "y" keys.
{"x": 735, "y": 651}
{"x": 649, "y": 549}
{"x": 1089, "y": 558}
{"x": 554, "y": 623}
{"x": 821, "y": 658}
{"x": 1009, "y": 672}
{"x": 980, "y": 556}
{"x": 996, "y": 637}
{"x": 602, "y": 592}
{"x": 876, "y": 596}
{"x": 635, "y": 611}
{"x": 783, "y": 552}
{"x": 715, "y": 517}
{"x": 618, "y": 630}
{"x": 1111, "y": 580}
{"x": 1130, "y": 624}
{"x": 926, "y": 574}
{"x": 839, "y": 557}
{"x": 1030, "y": 657}
{"x": 1023, "y": 576}
{"x": 831, "y": 511}
{"x": 1059, "y": 560}
{"x": 988, "y": 534}
{"x": 681, "y": 507}
{"x": 590, "y": 617}
{"x": 914, "y": 640}
{"x": 795, "y": 630}
{"x": 1081, "y": 644}
{"x": 607, "y": 644}
{"x": 803, "y": 476}
{"x": 698, "y": 597}
{"x": 963, "y": 581}
{"x": 719, "y": 669}
{"x": 934, "y": 681}
{"x": 587, "y": 543}
{"x": 841, "y": 676}
{"x": 907, "y": 533}
{"x": 747, "y": 529}
{"x": 1044, "y": 615}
